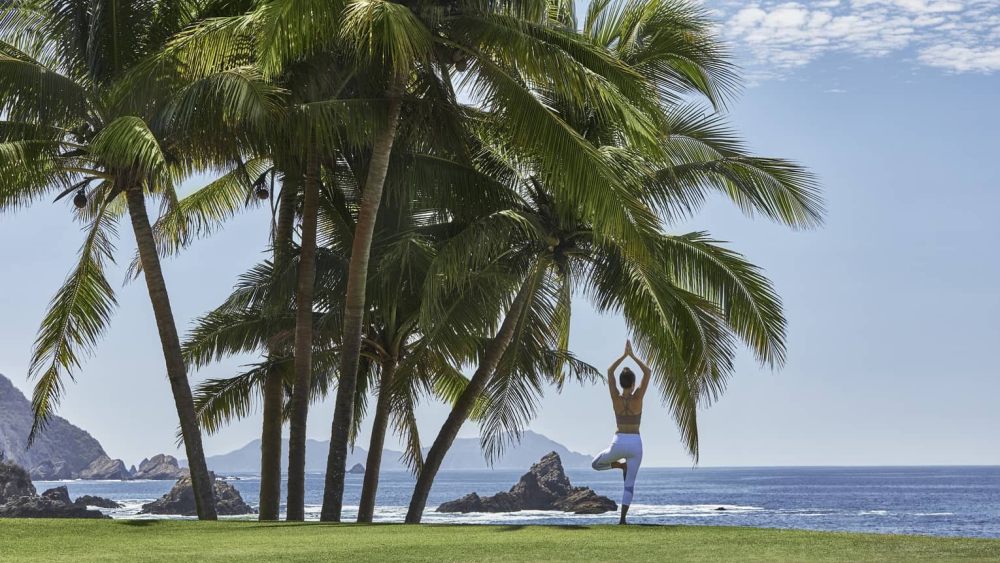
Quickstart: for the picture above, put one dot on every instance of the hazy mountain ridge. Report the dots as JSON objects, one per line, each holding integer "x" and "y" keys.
{"x": 61, "y": 451}
{"x": 464, "y": 454}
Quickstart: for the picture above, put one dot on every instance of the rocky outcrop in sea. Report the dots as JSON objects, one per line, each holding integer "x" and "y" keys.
{"x": 180, "y": 500}
{"x": 105, "y": 468}
{"x": 18, "y": 498}
{"x": 14, "y": 483}
{"x": 358, "y": 469}
{"x": 160, "y": 467}
{"x": 544, "y": 487}
{"x": 100, "y": 502}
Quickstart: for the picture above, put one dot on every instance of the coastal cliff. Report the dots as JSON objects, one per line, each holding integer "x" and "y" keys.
{"x": 61, "y": 451}
{"x": 65, "y": 451}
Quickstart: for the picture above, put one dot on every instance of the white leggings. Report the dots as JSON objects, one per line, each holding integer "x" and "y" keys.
{"x": 629, "y": 448}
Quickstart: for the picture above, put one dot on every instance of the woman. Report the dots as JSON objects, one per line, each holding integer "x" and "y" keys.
{"x": 625, "y": 451}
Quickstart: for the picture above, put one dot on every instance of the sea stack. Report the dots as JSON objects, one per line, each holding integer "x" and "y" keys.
{"x": 160, "y": 467}
{"x": 180, "y": 500}
{"x": 544, "y": 487}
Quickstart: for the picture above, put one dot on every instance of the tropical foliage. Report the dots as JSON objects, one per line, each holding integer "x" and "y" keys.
{"x": 461, "y": 173}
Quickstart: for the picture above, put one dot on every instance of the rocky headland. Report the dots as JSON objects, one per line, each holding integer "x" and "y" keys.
{"x": 64, "y": 451}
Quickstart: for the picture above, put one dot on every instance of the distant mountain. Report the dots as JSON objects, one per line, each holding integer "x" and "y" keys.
{"x": 464, "y": 454}
{"x": 247, "y": 458}
{"x": 61, "y": 451}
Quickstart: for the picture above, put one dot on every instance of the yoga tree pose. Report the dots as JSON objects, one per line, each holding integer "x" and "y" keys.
{"x": 625, "y": 451}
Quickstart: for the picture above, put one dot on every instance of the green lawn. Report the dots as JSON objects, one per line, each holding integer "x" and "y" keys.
{"x": 89, "y": 540}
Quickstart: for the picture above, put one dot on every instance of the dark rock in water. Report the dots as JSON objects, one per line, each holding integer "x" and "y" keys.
{"x": 41, "y": 507}
{"x": 584, "y": 500}
{"x": 18, "y": 498}
{"x": 14, "y": 483}
{"x": 60, "y": 451}
{"x": 358, "y": 469}
{"x": 132, "y": 471}
{"x": 160, "y": 467}
{"x": 105, "y": 468}
{"x": 180, "y": 500}
{"x": 58, "y": 494}
{"x": 721, "y": 508}
{"x": 544, "y": 487}
{"x": 87, "y": 500}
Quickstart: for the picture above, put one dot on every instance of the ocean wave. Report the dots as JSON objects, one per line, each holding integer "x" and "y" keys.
{"x": 873, "y": 513}
{"x": 398, "y": 513}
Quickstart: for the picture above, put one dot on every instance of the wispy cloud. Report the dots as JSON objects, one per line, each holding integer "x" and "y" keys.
{"x": 781, "y": 35}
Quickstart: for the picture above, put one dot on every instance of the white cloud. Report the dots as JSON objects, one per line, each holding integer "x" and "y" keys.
{"x": 962, "y": 59}
{"x": 781, "y": 34}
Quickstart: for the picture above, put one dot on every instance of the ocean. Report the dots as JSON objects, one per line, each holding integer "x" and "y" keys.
{"x": 937, "y": 501}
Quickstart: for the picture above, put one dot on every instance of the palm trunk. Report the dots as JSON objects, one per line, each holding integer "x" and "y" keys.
{"x": 467, "y": 400}
{"x": 369, "y": 489}
{"x": 270, "y": 448}
{"x": 274, "y": 392}
{"x": 371, "y": 198}
{"x": 295, "y": 508}
{"x": 201, "y": 483}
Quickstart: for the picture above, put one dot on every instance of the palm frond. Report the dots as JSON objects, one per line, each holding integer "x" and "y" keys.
{"x": 77, "y": 317}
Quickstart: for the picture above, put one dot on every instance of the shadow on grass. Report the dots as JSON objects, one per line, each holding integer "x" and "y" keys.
{"x": 141, "y": 523}
{"x": 278, "y": 525}
{"x": 517, "y": 527}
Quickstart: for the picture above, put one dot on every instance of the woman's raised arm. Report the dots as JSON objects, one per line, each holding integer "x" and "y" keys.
{"x": 612, "y": 388}
{"x": 646, "y": 372}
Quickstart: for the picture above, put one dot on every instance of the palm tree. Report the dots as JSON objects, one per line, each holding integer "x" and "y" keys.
{"x": 260, "y": 313}
{"x": 501, "y": 49}
{"x": 685, "y": 307}
{"x": 504, "y": 49}
{"x": 422, "y": 215}
{"x": 680, "y": 294}
{"x": 80, "y": 122}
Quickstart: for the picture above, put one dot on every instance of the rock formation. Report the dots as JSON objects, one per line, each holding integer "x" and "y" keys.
{"x": 105, "y": 468}
{"x": 160, "y": 467}
{"x": 58, "y": 494}
{"x": 100, "y": 502}
{"x": 60, "y": 451}
{"x": 18, "y": 498}
{"x": 14, "y": 483}
{"x": 180, "y": 500}
{"x": 544, "y": 487}
{"x": 358, "y": 469}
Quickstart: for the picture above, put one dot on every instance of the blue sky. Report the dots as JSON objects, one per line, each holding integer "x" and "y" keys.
{"x": 891, "y": 305}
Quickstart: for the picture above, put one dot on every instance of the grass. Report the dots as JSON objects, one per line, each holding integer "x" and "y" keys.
{"x": 159, "y": 540}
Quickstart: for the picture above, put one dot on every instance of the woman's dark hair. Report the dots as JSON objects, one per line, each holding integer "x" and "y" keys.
{"x": 626, "y": 378}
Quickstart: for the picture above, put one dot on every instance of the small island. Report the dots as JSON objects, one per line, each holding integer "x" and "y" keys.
{"x": 544, "y": 487}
